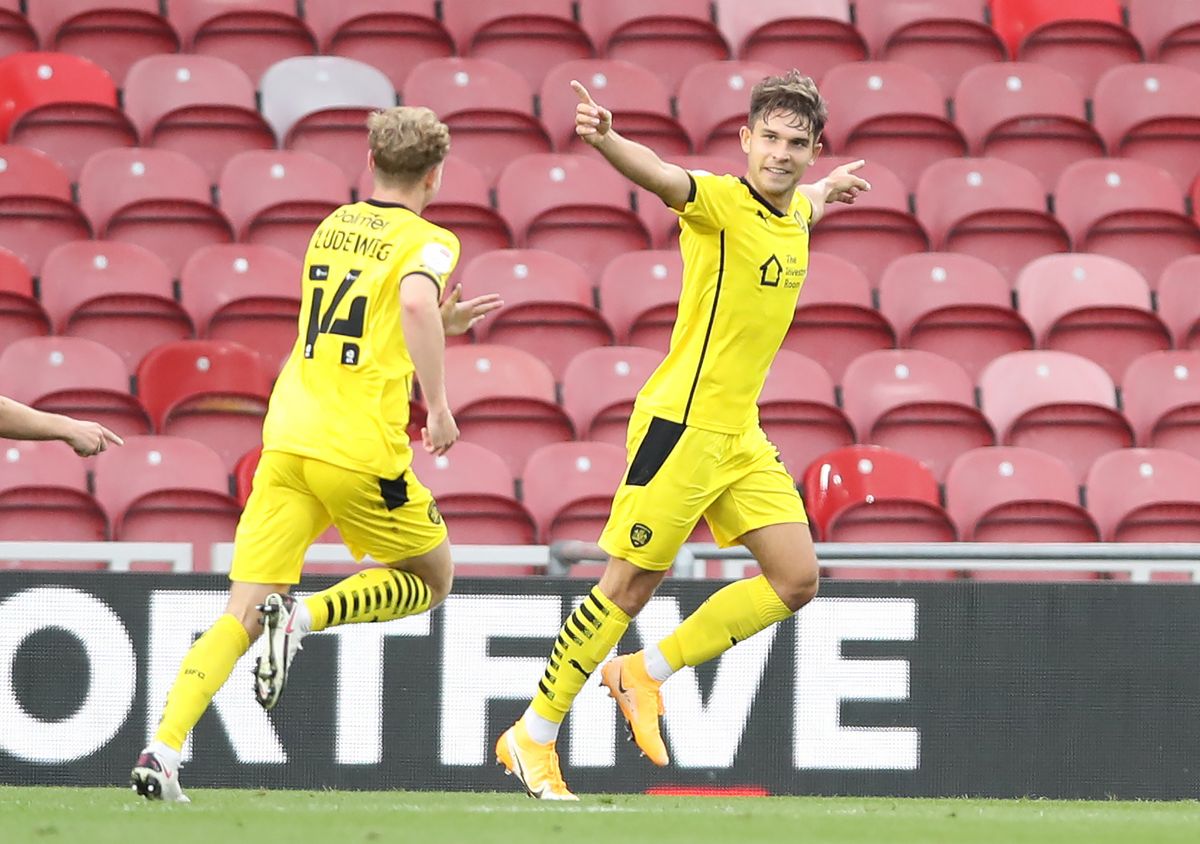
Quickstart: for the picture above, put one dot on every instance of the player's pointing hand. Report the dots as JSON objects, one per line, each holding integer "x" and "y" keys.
{"x": 843, "y": 186}
{"x": 592, "y": 121}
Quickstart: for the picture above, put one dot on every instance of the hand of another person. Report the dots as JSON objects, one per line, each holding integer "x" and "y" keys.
{"x": 592, "y": 121}
{"x": 458, "y": 317}
{"x": 843, "y": 186}
{"x": 89, "y": 438}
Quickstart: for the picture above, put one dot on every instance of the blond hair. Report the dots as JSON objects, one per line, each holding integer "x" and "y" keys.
{"x": 406, "y": 141}
{"x": 793, "y": 92}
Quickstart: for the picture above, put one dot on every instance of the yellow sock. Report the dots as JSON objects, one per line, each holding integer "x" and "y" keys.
{"x": 204, "y": 670}
{"x": 730, "y": 615}
{"x": 586, "y": 637}
{"x": 374, "y": 594}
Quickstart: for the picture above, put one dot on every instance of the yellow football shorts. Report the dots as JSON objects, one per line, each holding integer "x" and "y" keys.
{"x": 677, "y": 474}
{"x": 296, "y": 498}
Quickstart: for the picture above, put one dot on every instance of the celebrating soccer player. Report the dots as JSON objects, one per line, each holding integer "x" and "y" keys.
{"x": 695, "y": 444}
{"x": 334, "y": 443}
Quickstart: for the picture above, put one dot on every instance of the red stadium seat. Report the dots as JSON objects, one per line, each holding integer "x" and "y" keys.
{"x": 21, "y": 314}
{"x": 835, "y": 321}
{"x": 816, "y": 34}
{"x": 156, "y": 198}
{"x": 798, "y": 411}
{"x": 211, "y": 391}
{"x": 549, "y": 307}
{"x": 1027, "y": 114}
{"x": 167, "y": 489}
{"x": 112, "y": 33}
{"x": 917, "y": 403}
{"x": 569, "y": 487}
{"x": 37, "y": 211}
{"x": 118, "y": 294}
{"x": 881, "y": 216}
{"x": 488, "y": 107}
{"x": 1008, "y": 494}
{"x": 1161, "y": 395}
{"x": 245, "y": 293}
{"x": 1179, "y": 301}
{"x": 16, "y": 32}
{"x": 714, "y": 104}
{"x": 1126, "y": 209}
{"x": 991, "y": 209}
{"x": 891, "y": 114}
{"x": 944, "y": 38}
{"x": 253, "y": 36}
{"x": 320, "y": 105}
{"x": 44, "y": 495}
{"x": 277, "y": 197}
{"x": 599, "y": 387}
{"x": 75, "y": 376}
{"x": 64, "y": 105}
{"x": 1149, "y": 112}
{"x": 1082, "y": 38}
{"x": 1093, "y": 306}
{"x": 201, "y": 106}
{"x": 639, "y": 295}
{"x": 504, "y": 399}
{"x": 575, "y": 205}
{"x": 866, "y": 493}
{"x": 1146, "y": 495}
{"x": 243, "y": 474}
{"x": 666, "y": 37}
{"x": 530, "y": 36}
{"x": 957, "y": 306}
{"x": 662, "y": 222}
{"x": 640, "y": 100}
{"x": 394, "y": 37}
{"x": 1168, "y": 29}
{"x": 474, "y": 492}
{"x": 1054, "y": 402}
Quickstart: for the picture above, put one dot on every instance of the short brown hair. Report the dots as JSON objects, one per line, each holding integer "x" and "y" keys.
{"x": 406, "y": 141}
{"x": 793, "y": 92}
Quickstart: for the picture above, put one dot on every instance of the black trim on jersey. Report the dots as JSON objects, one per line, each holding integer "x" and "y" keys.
{"x": 762, "y": 201}
{"x": 707, "y": 331}
{"x": 430, "y": 276}
{"x": 691, "y": 188}
{"x": 394, "y": 491}
{"x": 380, "y": 203}
{"x": 654, "y": 449}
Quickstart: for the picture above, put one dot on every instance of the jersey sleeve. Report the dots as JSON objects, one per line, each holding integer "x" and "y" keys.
{"x": 434, "y": 255}
{"x": 709, "y": 201}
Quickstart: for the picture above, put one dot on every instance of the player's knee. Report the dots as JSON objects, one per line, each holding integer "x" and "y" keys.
{"x": 250, "y": 618}
{"x": 439, "y": 583}
{"x": 799, "y": 588}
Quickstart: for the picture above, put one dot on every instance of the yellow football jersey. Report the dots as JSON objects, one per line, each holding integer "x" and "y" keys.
{"x": 744, "y": 263}
{"x": 343, "y": 394}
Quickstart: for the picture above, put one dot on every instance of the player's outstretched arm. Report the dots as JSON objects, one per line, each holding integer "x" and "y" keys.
{"x": 20, "y": 422}
{"x": 421, "y": 319}
{"x": 841, "y": 185}
{"x": 635, "y": 161}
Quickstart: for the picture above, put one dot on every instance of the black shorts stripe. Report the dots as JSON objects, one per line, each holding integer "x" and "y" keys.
{"x": 652, "y": 452}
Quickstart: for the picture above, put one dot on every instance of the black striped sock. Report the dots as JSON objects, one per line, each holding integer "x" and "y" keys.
{"x": 375, "y": 594}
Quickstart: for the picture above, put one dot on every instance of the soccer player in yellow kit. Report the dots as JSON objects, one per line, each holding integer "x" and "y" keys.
{"x": 695, "y": 447}
{"x": 334, "y": 443}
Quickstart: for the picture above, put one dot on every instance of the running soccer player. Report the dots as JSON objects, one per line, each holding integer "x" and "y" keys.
{"x": 334, "y": 443}
{"x": 695, "y": 447}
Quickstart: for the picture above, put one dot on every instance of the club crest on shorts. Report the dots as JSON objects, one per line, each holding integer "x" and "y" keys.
{"x": 433, "y": 513}
{"x": 639, "y": 534}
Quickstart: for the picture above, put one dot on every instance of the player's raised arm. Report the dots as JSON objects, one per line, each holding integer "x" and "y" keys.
{"x": 841, "y": 185}
{"x": 21, "y": 422}
{"x": 635, "y": 161}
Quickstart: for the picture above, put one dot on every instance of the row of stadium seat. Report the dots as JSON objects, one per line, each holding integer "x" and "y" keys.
{"x": 172, "y": 489}
{"x": 579, "y": 207}
{"x": 1081, "y": 37}
{"x": 506, "y": 399}
{"x": 207, "y": 108}
{"x": 957, "y": 305}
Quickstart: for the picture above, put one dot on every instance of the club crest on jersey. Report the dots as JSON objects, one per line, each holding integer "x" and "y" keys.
{"x": 433, "y": 513}
{"x": 639, "y": 535}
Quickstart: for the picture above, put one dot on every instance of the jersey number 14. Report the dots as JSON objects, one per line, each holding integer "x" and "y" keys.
{"x": 323, "y": 323}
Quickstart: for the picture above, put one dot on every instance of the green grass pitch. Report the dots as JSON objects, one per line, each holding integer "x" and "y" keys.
{"x": 100, "y": 816}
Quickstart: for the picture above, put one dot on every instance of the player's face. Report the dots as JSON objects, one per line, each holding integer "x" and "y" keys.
{"x": 779, "y": 148}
